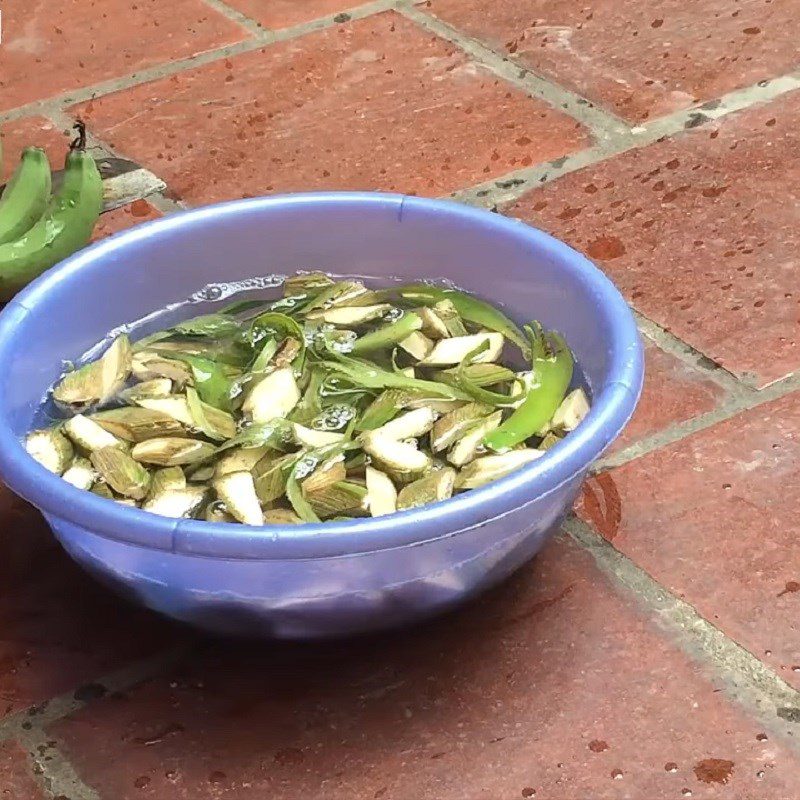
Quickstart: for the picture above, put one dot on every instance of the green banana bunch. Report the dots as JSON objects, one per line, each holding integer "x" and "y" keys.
{"x": 26, "y": 195}
{"x": 36, "y": 234}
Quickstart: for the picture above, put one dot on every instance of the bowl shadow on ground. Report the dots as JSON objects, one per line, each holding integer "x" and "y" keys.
{"x": 41, "y": 583}
{"x": 361, "y": 700}
{"x": 241, "y": 702}
{"x": 59, "y": 627}
{"x": 358, "y": 715}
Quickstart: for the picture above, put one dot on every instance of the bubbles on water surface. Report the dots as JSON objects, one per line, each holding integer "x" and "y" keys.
{"x": 214, "y": 292}
{"x": 393, "y": 315}
{"x": 334, "y": 418}
{"x": 305, "y": 466}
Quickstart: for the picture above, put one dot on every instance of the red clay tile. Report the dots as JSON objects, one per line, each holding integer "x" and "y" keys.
{"x": 673, "y": 392}
{"x": 714, "y": 518}
{"x": 699, "y": 233}
{"x": 52, "y": 47}
{"x": 552, "y": 684}
{"x": 59, "y": 628}
{"x": 120, "y": 219}
{"x": 285, "y": 13}
{"x": 641, "y": 59}
{"x": 373, "y": 104}
{"x": 16, "y": 780}
{"x": 31, "y": 132}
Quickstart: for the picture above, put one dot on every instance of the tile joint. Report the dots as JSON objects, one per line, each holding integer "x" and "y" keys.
{"x": 242, "y": 20}
{"x": 744, "y": 677}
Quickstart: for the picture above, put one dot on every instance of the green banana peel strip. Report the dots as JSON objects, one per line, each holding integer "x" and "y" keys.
{"x": 478, "y": 393}
{"x": 301, "y": 506}
{"x": 211, "y": 382}
{"x": 471, "y": 309}
{"x": 363, "y": 373}
{"x": 388, "y": 335}
{"x": 551, "y": 378}
{"x": 307, "y": 463}
{"x": 211, "y": 325}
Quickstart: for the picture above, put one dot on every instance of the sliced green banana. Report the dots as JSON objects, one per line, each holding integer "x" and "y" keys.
{"x": 26, "y": 195}
{"x": 65, "y": 227}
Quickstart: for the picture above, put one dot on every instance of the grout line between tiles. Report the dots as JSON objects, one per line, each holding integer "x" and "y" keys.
{"x": 684, "y": 352}
{"x": 744, "y": 677}
{"x": 242, "y": 20}
{"x": 52, "y": 770}
{"x": 256, "y": 41}
{"x": 744, "y": 401}
{"x": 602, "y": 124}
{"x": 37, "y": 717}
{"x": 137, "y": 78}
{"x": 508, "y": 188}
{"x": 340, "y": 17}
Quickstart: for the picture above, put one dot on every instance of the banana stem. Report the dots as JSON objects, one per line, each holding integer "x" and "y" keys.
{"x": 79, "y": 142}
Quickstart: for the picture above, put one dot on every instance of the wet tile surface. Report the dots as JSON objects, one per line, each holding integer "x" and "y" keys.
{"x": 31, "y": 132}
{"x": 285, "y": 13}
{"x": 16, "y": 781}
{"x": 120, "y": 219}
{"x": 713, "y": 517}
{"x": 673, "y": 392}
{"x": 375, "y": 104}
{"x": 551, "y": 684}
{"x": 50, "y": 47}
{"x": 641, "y": 58}
{"x": 690, "y": 231}
{"x": 59, "y": 628}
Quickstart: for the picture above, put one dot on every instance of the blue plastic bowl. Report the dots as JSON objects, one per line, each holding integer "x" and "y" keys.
{"x": 338, "y": 578}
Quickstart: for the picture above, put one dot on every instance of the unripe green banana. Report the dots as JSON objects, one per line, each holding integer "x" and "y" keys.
{"x": 65, "y": 227}
{"x": 26, "y": 195}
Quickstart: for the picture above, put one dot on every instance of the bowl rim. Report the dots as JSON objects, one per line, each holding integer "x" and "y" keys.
{"x": 612, "y": 408}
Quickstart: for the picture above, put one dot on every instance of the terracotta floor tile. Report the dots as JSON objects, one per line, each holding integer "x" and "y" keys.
{"x": 714, "y": 518}
{"x": 31, "y": 132}
{"x": 640, "y": 58}
{"x": 59, "y": 628}
{"x": 673, "y": 392}
{"x": 551, "y": 684}
{"x": 700, "y": 233}
{"x": 16, "y": 780}
{"x": 285, "y": 13}
{"x": 51, "y": 47}
{"x": 122, "y": 218}
{"x": 375, "y": 104}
